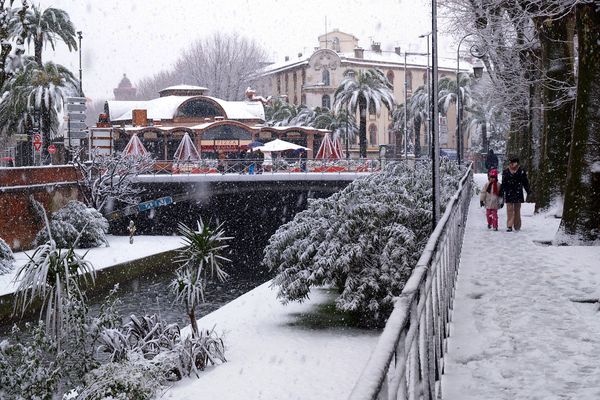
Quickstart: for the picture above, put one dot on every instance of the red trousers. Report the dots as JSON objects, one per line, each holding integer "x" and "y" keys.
{"x": 492, "y": 217}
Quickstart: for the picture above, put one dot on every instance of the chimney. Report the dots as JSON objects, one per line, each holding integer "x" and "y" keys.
{"x": 139, "y": 117}
{"x": 359, "y": 52}
{"x": 376, "y": 47}
{"x": 287, "y": 58}
{"x": 299, "y": 55}
{"x": 398, "y": 50}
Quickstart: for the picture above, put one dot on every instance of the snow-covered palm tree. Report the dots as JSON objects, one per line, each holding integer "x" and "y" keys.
{"x": 200, "y": 261}
{"x": 46, "y": 26}
{"x": 35, "y": 87}
{"x": 362, "y": 91}
{"x": 418, "y": 108}
{"x": 281, "y": 113}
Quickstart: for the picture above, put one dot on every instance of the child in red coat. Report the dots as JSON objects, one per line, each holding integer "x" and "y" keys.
{"x": 491, "y": 199}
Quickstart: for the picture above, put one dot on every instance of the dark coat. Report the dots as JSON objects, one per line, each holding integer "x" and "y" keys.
{"x": 513, "y": 185}
{"x": 491, "y": 161}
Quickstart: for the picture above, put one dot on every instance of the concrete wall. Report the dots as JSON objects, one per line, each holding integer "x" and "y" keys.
{"x": 53, "y": 186}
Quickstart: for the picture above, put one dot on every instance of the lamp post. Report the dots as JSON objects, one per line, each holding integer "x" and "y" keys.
{"x": 435, "y": 140}
{"x": 406, "y": 102}
{"x": 426, "y": 35}
{"x": 80, "y": 36}
{"x": 475, "y": 52}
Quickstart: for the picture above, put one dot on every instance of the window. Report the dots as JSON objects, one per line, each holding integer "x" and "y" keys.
{"x": 303, "y": 77}
{"x": 372, "y": 110}
{"x": 409, "y": 78}
{"x": 326, "y": 77}
{"x": 335, "y": 44}
{"x": 279, "y": 84}
{"x": 295, "y": 82}
{"x": 390, "y": 77}
{"x": 425, "y": 78}
{"x": 326, "y": 101}
{"x": 373, "y": 135}
{"x": 303, "y": 99}
{"x": 287, "y": 83}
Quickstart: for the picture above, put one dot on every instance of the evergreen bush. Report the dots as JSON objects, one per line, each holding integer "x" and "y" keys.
{"x": 7, "y": 258}
{"x": 72, "y": 220}
{"x": 364, "y": 240}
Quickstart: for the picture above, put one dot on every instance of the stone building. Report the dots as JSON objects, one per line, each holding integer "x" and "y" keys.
{"x": 311, "y": 79}
{"x": 125, "y": 90}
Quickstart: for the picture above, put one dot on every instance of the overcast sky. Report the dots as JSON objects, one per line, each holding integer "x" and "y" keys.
{"x": 142, "y": 37}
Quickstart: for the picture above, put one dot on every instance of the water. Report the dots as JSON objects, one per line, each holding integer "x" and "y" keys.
{"x": 150, "y": 294}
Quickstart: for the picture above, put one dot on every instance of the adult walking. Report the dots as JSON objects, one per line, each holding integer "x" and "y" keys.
{"x": 514, "y": 180}
{"x": 491, "y": 161}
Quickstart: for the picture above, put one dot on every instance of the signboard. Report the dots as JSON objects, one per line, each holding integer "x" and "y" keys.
{"x": 37, "y": 142}
{"x": 21, "y": 137}
{"x": 52, "y": 149}
{"x": 77, "y": 129}
{"x": 147, "y": 205}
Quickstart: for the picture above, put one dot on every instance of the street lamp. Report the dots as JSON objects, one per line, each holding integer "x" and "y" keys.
{"x": 426, "y": 35}
{"x": 435, "y": 139}
{"x": 406, "y": 101}
{"x": 80, "y": 36}
{"x": 475, "y": 52}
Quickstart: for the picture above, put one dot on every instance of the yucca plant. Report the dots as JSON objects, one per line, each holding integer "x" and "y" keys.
{"x": 54, "y": 276}
{"x": 200, "y": 261}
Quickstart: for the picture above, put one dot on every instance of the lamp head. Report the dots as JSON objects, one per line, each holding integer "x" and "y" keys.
{"x": 478, "y": 69}
{"x": 79, "y": 34}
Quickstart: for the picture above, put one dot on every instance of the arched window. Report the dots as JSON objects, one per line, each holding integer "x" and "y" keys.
{"x": 326, "y": 77}
{"x": 326, "y": 101}
{"x": 199, "y": 108}
{"x": 425, "y": 78}
{"x": 409, "y": 78}
{"x": 390, "y": 77}
{"x": 373, "y": 135}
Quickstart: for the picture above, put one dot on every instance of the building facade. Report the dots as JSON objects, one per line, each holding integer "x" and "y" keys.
{"x": 312, "y": 79}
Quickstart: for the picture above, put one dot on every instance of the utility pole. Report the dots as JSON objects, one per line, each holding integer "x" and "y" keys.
{"x": 435, "y": 139}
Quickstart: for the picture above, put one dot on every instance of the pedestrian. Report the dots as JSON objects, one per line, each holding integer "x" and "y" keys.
{"x": 303, "y": 160}
{"x": 131, "y": 229}
{"x": 491, "y": 161}
{"x": 260, "y": 158}
{"x": 491, "y": 200}
{"x": 514, "y": 180}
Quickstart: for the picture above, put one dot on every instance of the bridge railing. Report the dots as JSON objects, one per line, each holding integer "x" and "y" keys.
{"x": 245, "y": 166}
{"x": 408, "y": 360}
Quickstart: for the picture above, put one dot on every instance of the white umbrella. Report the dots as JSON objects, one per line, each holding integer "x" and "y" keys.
{"x": 279, "y": 145}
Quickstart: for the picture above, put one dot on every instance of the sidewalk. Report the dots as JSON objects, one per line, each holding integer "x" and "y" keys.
{"x": 515, "y": 333}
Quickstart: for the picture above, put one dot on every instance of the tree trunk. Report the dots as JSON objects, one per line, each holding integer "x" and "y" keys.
{"x": 193, "y": 321}
{"x": 417, "y": 129}
{"x": 558, "y": 82}
{"x": 485, "y": 146}
{"x": 362, "y": 133}
{"x": 38, "y": 45}
{"x": 581, "y": 213}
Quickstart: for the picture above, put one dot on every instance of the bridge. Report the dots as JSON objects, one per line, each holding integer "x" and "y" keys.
{"x": 491, "y": 315}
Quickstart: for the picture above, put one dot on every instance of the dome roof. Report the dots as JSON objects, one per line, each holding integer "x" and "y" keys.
{"x": 125, "y": 83}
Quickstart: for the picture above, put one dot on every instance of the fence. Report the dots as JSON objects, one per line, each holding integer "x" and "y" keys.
{"x": 408, "y": 360}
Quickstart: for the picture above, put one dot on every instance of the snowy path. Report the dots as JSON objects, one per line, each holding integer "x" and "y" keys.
{"x": 515, "y": 333}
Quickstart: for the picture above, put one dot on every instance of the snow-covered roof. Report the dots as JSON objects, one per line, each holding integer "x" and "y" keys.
{"x": 374, "y": 58}
{"x": 165, "y": 108}
{"x": 184, "y": 87}
{"x": 159, "y": 108}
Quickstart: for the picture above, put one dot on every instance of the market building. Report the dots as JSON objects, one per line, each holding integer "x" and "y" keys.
{"x": 215, "y": 125}
{"x": 311, "y": 79}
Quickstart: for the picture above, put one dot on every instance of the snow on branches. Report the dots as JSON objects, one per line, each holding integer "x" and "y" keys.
{"x": 106, "y": 179}
{"x": 7, "y": 258}
{"x": 76, "y": 222}
{"x": 364, "y": 240}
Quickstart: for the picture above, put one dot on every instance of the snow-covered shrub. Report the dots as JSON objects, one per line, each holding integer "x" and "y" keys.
{"x": 7, "y": 258}
{"x": 29, "y": 370}
{"x": 135, "y": 379}
{"x": 149, "y": 334}
{"x": 364, "y": 240}
{"x": 196, "y": 353}
{"x": 73, "y": 220}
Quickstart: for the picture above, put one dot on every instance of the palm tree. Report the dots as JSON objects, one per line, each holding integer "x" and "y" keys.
{"x": 200, "y": 261}
{"x": 46, "y": 27}
{"x": 418, "y": 109}
{"x": 35, "y": 89}
{"x": 364, "y": 90}
{"x": 447, "y": 93}
{"x": 281, "y": 113}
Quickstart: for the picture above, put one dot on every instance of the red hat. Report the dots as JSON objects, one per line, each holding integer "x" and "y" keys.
{"x": 494, "y": 173}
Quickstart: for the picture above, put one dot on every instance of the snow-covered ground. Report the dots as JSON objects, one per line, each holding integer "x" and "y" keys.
{"x": 118, "y": 252}
{"x": 277, "y": 352}
{"x": 516, "y": 333}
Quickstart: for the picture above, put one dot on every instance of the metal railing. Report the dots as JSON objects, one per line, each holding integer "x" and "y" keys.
{"x": 408, "y": 360}
{"x": 245, "y": 166}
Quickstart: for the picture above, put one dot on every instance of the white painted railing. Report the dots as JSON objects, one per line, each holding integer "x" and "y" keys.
{"x": 408, "y": 360}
